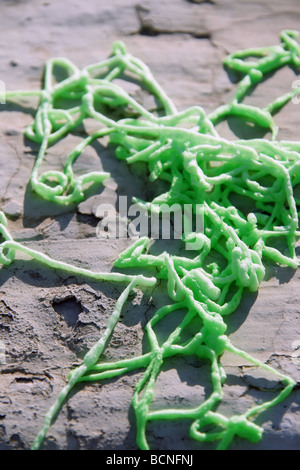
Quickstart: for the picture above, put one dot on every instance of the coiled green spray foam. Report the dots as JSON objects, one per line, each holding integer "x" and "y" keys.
{"x": 202, "y": 169}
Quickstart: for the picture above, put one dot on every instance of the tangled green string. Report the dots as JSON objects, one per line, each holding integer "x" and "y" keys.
{"x": 244, "y": 188}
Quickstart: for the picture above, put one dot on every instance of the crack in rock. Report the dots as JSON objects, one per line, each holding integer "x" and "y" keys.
{"x": 162, "y": 21}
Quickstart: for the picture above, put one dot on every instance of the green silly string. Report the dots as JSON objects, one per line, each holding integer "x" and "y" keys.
{"x": 204, "y": 171}
{"x": 8, "y": 251}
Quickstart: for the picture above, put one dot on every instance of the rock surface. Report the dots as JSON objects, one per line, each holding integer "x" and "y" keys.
{"x": 48, "y": 320}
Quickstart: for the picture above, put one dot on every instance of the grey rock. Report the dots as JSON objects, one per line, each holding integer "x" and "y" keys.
{"x": 12, "y": 209}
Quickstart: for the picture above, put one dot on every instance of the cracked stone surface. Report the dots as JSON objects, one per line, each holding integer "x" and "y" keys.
{"x": 48, "y": 320}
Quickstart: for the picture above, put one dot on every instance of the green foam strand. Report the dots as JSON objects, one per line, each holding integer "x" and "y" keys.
{"x": 243, "y": 188}
{"x": 8, "y": 252}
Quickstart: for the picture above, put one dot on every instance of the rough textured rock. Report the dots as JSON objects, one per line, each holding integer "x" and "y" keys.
{"x": 48, "y": 319}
